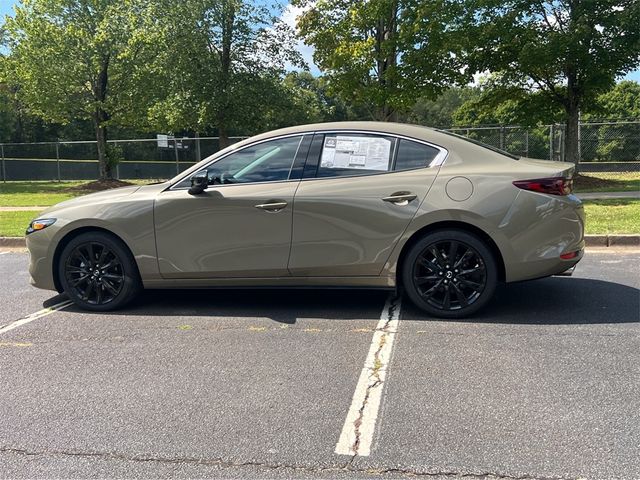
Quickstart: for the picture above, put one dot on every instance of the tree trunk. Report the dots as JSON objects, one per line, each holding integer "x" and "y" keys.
{"x": 101, "y": 142}
{"x": 225, "y": 77}
{"x": 386, "y": 59}
{"x": 223, "y": 136}
{"x": 100, "y": 117}
{"x": 571, "y": 153}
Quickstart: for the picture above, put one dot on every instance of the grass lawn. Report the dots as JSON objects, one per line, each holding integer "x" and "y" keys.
{"x": 612, "y": 216}
{"x": 29, "y": 194}
{"x": 608, "y": 182}
{"x": 42, "y": 193}
{"x": 14, "y": 224}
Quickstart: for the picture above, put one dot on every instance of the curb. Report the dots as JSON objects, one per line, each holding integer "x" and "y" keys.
{"x": 590, "y": 241}
{"x": 13, "y": 242}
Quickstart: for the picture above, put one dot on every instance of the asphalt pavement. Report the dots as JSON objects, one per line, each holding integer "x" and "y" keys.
{"x": 545, "y": 383}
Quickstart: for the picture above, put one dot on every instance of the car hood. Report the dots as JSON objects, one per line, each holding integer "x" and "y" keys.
{"x": 93, "y": 198}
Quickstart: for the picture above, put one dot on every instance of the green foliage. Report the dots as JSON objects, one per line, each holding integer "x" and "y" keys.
{"x": 384, "y": 54}
{"x": 59, "y": 49}
{"x": 622, "y": 102}
{"x": 441, "y": 111}
{"x": 496, "y": 104}
{"x": 221, "y": 65}
{"x": 82, "y": 60}
{"x": 567, "y": 52}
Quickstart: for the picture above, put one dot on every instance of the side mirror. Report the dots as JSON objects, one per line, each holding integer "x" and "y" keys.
{"x": 199, "y": 183}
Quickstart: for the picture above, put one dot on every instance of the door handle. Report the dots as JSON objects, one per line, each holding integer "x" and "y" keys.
{"x": 400, "y": 198}
{"x": 271, "y": 207}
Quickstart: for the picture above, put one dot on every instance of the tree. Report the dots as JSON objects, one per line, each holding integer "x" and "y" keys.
{"x": 440, "y": 112}
{"x": 82, "y": 59}
{"x": 384, "y": 54}
{"x": 613, "y": 141}
{"x": 496, "y": 104}
{"x": 223, "y": 61}
{"x": 568, "y": 51}
{"x": 620, "y": 103}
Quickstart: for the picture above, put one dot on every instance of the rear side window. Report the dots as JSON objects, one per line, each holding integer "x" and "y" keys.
{"x": 355, "y": 154}
{"x": 414, "y": 155}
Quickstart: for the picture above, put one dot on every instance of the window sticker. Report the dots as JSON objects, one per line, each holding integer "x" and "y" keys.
{"x": 367, "y": 153}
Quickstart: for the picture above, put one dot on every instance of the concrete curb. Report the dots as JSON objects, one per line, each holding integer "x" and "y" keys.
{"x": 13, "y": 242}
{"x": 590, "y": 241}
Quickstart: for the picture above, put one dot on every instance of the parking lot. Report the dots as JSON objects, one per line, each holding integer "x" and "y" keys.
{"x": 545, "y": 383}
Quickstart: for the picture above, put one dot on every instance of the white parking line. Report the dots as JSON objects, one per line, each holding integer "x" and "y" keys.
{"x": 34, "y": 316}
{"x": 359, "y": 426}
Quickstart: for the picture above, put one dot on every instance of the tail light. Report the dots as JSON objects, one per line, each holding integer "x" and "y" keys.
{"x": 551, "y": 185}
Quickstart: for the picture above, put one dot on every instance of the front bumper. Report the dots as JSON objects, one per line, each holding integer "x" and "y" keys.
{"x": 41, "y": 259}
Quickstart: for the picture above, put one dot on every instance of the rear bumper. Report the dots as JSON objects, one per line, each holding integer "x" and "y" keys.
{"x": 549, "y": 227}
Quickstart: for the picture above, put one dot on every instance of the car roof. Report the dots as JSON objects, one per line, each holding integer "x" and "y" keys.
{"x": 418, "y": 132}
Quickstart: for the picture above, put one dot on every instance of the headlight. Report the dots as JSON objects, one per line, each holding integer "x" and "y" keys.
{"x": 40, "y": 224}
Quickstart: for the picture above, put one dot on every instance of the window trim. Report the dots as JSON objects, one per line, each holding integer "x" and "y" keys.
{"x": 174, "y": 186}
{"x": 438, "y": 161}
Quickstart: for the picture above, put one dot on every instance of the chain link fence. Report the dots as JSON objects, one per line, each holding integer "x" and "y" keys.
{"x": 604, "y": 147}
{"x": 150, "y": 158}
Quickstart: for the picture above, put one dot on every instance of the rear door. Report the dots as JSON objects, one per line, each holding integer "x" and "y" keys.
{"x": 357, "y": 196}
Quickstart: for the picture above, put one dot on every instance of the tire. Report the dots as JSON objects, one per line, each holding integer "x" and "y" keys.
{"x": 92, "y": 288}
{"x": 447, "y": 289}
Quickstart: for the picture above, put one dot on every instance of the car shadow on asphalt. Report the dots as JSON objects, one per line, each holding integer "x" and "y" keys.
{"x": 549, "y": 301}
{"x": 556, "y": 301}
{"x": 280, "y": 305}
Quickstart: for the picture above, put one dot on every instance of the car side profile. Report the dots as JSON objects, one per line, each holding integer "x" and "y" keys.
{"x": 348, "y": 204}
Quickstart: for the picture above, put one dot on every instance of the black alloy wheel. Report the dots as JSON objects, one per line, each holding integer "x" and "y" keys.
{"x": 94, "y": 272}
{"x": 98, "y": 272}
{"x": 450, "y": 274}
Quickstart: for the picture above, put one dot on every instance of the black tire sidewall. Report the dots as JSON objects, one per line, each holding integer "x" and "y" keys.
{"x": 444, "y": 235}
{"x": 131, "y": 284}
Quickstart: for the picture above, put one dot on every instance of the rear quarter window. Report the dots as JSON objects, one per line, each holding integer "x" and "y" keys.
{"x": 414, "y": 155}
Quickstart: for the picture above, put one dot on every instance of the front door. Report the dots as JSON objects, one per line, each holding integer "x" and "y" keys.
{"x": 240, "y": 226}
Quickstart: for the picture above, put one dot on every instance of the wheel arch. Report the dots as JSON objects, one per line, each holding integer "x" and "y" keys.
{"x": 451, "y": 225}
{"x": 64, "y": 241}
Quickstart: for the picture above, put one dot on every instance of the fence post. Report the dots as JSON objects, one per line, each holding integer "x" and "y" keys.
{"x": 198, "y": 154}
{"x": 526, "y": 143}
{"x": 550, "y": 142}
{"x": 579, "y": 138}
{"x": 501, "y": 137}
{"x": 4, "y": 171}
{"x": 58, "y": 158}
{"x": 115, "y": 149}
{"x": 175, "y": 150}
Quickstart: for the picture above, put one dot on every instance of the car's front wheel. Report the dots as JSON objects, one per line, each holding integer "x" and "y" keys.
{"x": 98, "y": 272}
{"x": 450, "y": 274}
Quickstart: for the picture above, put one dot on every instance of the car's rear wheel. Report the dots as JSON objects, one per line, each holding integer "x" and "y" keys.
{"x": 98, "y": 272}
{"x": 450, "y": 274}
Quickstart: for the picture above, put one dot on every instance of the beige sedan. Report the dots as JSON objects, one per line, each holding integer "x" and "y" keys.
{"x": 359, "y": 204}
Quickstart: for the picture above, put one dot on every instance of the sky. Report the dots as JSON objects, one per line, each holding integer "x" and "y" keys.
{"x": 289, "y": 14}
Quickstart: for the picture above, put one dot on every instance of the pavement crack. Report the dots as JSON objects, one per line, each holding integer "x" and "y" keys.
{"x": 221, "y": 463}
{"x": 374, "y": 375}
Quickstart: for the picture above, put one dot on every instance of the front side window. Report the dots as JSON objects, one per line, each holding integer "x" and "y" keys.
{"x": 269, "y": 161}
{"x": 355, "y": 154}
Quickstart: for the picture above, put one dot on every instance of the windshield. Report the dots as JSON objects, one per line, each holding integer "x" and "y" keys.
{"x": 480, "y": 144}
